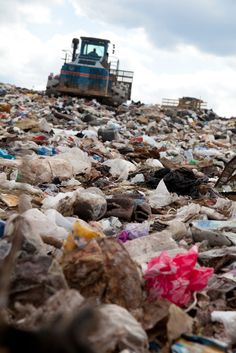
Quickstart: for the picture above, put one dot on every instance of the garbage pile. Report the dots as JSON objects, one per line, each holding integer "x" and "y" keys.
{"x": 117, "y": 226}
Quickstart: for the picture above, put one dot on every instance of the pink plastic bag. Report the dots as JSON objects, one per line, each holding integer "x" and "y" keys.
{"x": 176, "y": 278}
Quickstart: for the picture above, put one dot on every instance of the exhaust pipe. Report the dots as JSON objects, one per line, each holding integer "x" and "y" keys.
{"x": 75, "y": 43}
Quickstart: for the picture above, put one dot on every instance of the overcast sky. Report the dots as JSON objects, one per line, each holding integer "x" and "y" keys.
{"x": 175, "y": 47}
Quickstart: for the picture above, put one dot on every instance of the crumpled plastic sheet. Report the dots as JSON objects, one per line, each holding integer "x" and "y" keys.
{"x": 118, "y": 330}
{"x": 133, "y": 231}
{"x": 63, "y": 166}
{"x": 161, "y": 197}
{"x": 104, "y": 270}
{"x": 176, "y": 278}
{"x": 120, "y": 168}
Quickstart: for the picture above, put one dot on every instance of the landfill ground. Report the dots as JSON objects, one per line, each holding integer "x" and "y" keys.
{"x": 117, "y": 227}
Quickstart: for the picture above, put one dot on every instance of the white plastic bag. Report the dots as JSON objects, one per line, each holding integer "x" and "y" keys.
{"x": 160, "y": 197}
{"x": 120, "y": 168}
{"x": 63, "y": 166}
{"x": 154, "y": 163}
{"x": 44, "y": 224}
{"x": 228, "y": 318}
{"x": 118, "y": 329}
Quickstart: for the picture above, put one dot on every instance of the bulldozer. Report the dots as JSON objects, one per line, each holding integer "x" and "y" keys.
{"x": 90, "y": 73}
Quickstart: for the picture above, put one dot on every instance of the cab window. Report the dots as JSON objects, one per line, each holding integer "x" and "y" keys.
{"x": 93, "y": 50}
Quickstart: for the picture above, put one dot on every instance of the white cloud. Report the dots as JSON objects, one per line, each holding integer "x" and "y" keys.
{"x": 207, "y": 24}
{"x": 26, "y": 11}
{"x": 35, "y": 13}
{"x": 186, "y": 71}
{"x": 28, "y": 59}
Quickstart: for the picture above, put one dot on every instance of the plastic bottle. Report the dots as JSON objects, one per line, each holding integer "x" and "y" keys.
{"x": 6, "y": 155}
{"x": 46, "y": 151}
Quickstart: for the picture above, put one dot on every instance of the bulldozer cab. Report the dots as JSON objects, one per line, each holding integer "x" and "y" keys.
{"x": 93, "y": 48}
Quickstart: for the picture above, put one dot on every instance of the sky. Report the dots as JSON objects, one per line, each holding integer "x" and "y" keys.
{"x": 176, "y": 48}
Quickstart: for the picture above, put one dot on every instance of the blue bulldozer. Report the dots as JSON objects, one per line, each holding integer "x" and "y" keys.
{"x": 90, "y": 73}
